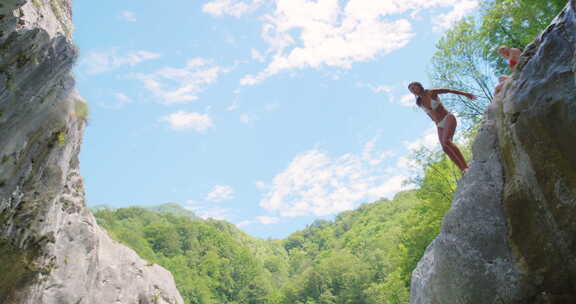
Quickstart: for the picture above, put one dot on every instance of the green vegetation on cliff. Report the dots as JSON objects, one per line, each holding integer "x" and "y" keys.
{"x": 365, "y": 255}
{"x": 466, "y": 57}
{"x": 210, "y": 264}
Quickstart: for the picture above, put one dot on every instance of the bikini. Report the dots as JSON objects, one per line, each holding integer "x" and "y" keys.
{"x": 433, "y": 104}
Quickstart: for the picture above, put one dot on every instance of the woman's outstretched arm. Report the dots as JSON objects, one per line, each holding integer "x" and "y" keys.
{"x": 444, "y": 91}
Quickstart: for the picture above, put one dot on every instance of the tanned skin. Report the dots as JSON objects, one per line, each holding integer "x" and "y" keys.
{"x": 511, "y": 54}
{"x": 446, "y": 133}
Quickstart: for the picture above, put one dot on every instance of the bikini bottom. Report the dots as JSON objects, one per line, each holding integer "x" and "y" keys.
{"x": 442, "y": 123}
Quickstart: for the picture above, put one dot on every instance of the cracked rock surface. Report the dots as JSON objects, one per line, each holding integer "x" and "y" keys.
{"x": 51, "y": 248}
{"x": 510, "y": 235}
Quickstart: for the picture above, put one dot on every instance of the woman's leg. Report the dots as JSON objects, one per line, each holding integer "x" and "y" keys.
{"x": 445, "y": 135}
{"x": 501, "y": 81}
{"x": 448, "y": 149}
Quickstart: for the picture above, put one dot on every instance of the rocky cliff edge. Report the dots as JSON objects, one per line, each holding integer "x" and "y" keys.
{"x": 510, "y": 235}
{"x": 51, "y": 248}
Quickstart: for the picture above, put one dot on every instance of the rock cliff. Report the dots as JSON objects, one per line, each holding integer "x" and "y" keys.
{"x": 510, "y": 235}
{"x": 51, "y": 248}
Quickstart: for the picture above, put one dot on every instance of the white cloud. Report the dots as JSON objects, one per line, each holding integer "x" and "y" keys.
{"x": 257, "y": 56}
{"x": 267, "y": 220}
{"x": 386, "y": 89}
{"x": 220, "y": 193}
{"x": 245, "y": 223}
{"x": 205, "y": 212}
{"x": 382, "y": 89}
{"x": 216, "y": 213}
{"x": 461, "y": 9}
{"x": 391, "y": 91}
{"x": 250, "y": 80}
{"x": 121, "y": 100}
{"x": 230, "y": 7}
{"x": 316, "y": 184}
{"x": 407, "y": 100}
{"x": 183, "y": 120}
{"x": 390, "y": 186}
{"x": 428, "y": 140}
{"x": 128, "y": 16}
{"x": 181, "y": 85}
{"x": 100, "y": 62}
{"x": 373, "y": 157}
{"x": 333, "y": 33}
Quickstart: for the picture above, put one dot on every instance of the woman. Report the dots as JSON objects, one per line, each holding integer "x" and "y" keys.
{"x": 512, "y": 55}
{"x": 446, "y": 122}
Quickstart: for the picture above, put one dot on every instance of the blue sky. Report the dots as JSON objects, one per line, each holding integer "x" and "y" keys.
{"x": 265, "y": 113}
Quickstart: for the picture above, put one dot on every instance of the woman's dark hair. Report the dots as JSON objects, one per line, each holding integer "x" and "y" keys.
{"x": 419, "y": 99}
{"x": 416, "y": 83}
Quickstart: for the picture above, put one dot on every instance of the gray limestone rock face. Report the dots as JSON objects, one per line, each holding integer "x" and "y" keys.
{"x": 51, "y": 249}
{"x": 510, "y": 235}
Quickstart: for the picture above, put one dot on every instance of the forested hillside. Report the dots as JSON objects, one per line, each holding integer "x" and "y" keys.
{"x": 365, "y": 255}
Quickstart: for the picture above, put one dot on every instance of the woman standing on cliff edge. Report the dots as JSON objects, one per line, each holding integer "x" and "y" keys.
{"x": 445, "y": 121}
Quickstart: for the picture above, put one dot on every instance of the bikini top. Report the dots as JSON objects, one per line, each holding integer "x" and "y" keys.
{"x": 433, "y": 104}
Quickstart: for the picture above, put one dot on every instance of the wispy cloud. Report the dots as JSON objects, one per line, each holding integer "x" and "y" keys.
{"x": 264, "y": 220}
{"x": 267, "y": 220}
{"x": 245, "y": 223}
{"x": 461, "y": 9}
{"x": 119, "y": 101}
{"x": 257, "y": 56}
{"x": 216, "y": 213}
{"x": 230, "y": 7}
{"x": 407, "y": 100}
{"x": 317, "y": 184}
{"x": 181, "y": 85}
{"x": 183, "y": 120}
{"x": 332, "y": 33}
{"x": 220, "y": 193}
{"x": 122, "y": 99}
{"x": 392, "y": 92}
{"x": 428, "y": 140}
{"x": 379, "y": 88}
{"x": 101, "y": 62}
{"x": 128, "y": 16}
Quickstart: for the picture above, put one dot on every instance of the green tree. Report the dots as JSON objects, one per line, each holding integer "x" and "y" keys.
{"x": 515, "y": 23}
{"x": 461, "y": 62}
{"x": 466, "y": 58}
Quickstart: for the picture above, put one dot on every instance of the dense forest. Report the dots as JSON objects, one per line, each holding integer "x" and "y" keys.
{"x": 364, "y": 255}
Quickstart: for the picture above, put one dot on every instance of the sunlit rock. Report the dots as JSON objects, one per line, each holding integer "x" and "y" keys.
{"x": 510, "y": 236}
{"x": 51, "y": 249}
